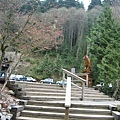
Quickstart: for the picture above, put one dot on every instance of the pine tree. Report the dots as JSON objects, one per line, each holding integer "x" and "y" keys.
{"x": 112, "y": 2}
{"x": 94, "y": 3}
{"x": 105, "y": 47}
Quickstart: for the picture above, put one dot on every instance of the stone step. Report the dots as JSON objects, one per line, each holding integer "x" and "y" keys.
{"x": 55, "y": 115}
{"x": 71, "y": 110}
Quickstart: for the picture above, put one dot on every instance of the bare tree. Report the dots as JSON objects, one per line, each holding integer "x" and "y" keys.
{"x": 10, "y": 31}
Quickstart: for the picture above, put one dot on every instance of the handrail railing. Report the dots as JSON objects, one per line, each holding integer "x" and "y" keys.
{"x": 68, "y": 98}
{"x": 70, "y": 74}
{"x": 83, "y": 74}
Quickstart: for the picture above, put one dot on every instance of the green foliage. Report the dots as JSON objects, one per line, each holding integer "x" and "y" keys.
{"x": 57, "y": 67}
{"x": 31, "y": 5}
{"x": 111, "y": 2}
{"x": 105, "y": 48}
{"x": 72, "y": 3}
{"x": 50, "y": 66}
{"x": 45, "y": 68}
{"x": 29, "y": 60}
{"x": 94, "y": 3}
{"x": 43, "y": 6}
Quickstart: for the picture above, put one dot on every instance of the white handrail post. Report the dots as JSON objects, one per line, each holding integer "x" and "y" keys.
{"x": 83, "y": 85}
{"x": 68, "y": 98}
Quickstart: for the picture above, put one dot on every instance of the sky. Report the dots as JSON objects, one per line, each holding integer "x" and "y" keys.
{"x": 86, "y": 3}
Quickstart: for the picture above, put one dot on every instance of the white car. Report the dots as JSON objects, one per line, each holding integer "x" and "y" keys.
{"x": 100, "y": 84}
{"x": 17, "y": 77}
{"x": 12, "y": 77}
{"x": 47, "y": 80}
{"x": 60, "y": 83}
{"x": 30, "y": 79}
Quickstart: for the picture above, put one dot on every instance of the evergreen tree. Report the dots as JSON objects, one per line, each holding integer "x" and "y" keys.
{"x": 30, "y": 6}
{"x": 43, "y": 6}
{"x": 48, "y": 4}
{"x": 73, "y": 3}
{"x": 105, "y": 48}
{"x": 94, "y": 3}
{"x": 111, "y": 2}
{"x": 108, "y": 2}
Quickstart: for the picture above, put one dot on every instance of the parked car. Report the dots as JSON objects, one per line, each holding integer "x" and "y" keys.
{"x": 17, "y": 77}
{"x": 2, "y": 76}
{"x": 23, "y": 78}
{"x": 12, "y": 77}
{"x": 100, "y": 84}
{"x": 30, "y": 79}
{"x": 60, "y": 83}
{"x": 47, "y": 80}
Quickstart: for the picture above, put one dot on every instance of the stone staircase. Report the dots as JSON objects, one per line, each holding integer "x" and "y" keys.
{"x": 46, "y": 102}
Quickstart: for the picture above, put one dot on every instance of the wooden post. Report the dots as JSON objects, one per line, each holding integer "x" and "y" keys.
{"x": 67, "y": 113}
{"x": 87, "y": 80}
{"x": 63, "y": 79}
{"x": 83, "y": 85}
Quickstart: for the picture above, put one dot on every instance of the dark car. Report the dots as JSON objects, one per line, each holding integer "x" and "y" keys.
{"x": 47, "y": 80}
{"x": 23, "y": 79}
{"x": 2, "y": 76}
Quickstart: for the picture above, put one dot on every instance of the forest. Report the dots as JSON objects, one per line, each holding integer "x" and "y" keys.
{"x": 53, "y": 34}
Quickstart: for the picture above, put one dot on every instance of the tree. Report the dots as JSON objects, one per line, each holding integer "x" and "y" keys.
{"x": 111, "y": 2}
{"x": 45, "y": 5}
{"x": 105, "y": 48}
{"x": 11, "y": 38}
{"x": 74, "y": 32}
{"x": 30, "y": 5}
{"x": 93, "y": 14}
{"x": 73, "y": 3}
{"x": 94, "y": 3}
{"x": 46, "y": 33}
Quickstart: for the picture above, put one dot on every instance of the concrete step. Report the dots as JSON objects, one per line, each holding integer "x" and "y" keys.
{"x": 71, "y": 110}
{"x": 98, "y": 99}
{"x": 55, "y": 115}
{"x": 31, "y": 118}
{"x": 60, "y": 90}
{"x": 74, "y": 104}
{"x": 48, "y": 86}
{"x": 61, "y": 98}
{"x": 49, "y": 98}
{"x": 31, "y": 93}
{"x": 47, "y": 102}
{"x": 51, "y": 86}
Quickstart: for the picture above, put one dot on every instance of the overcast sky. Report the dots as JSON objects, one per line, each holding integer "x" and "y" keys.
{"x": 86, "y": 3}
